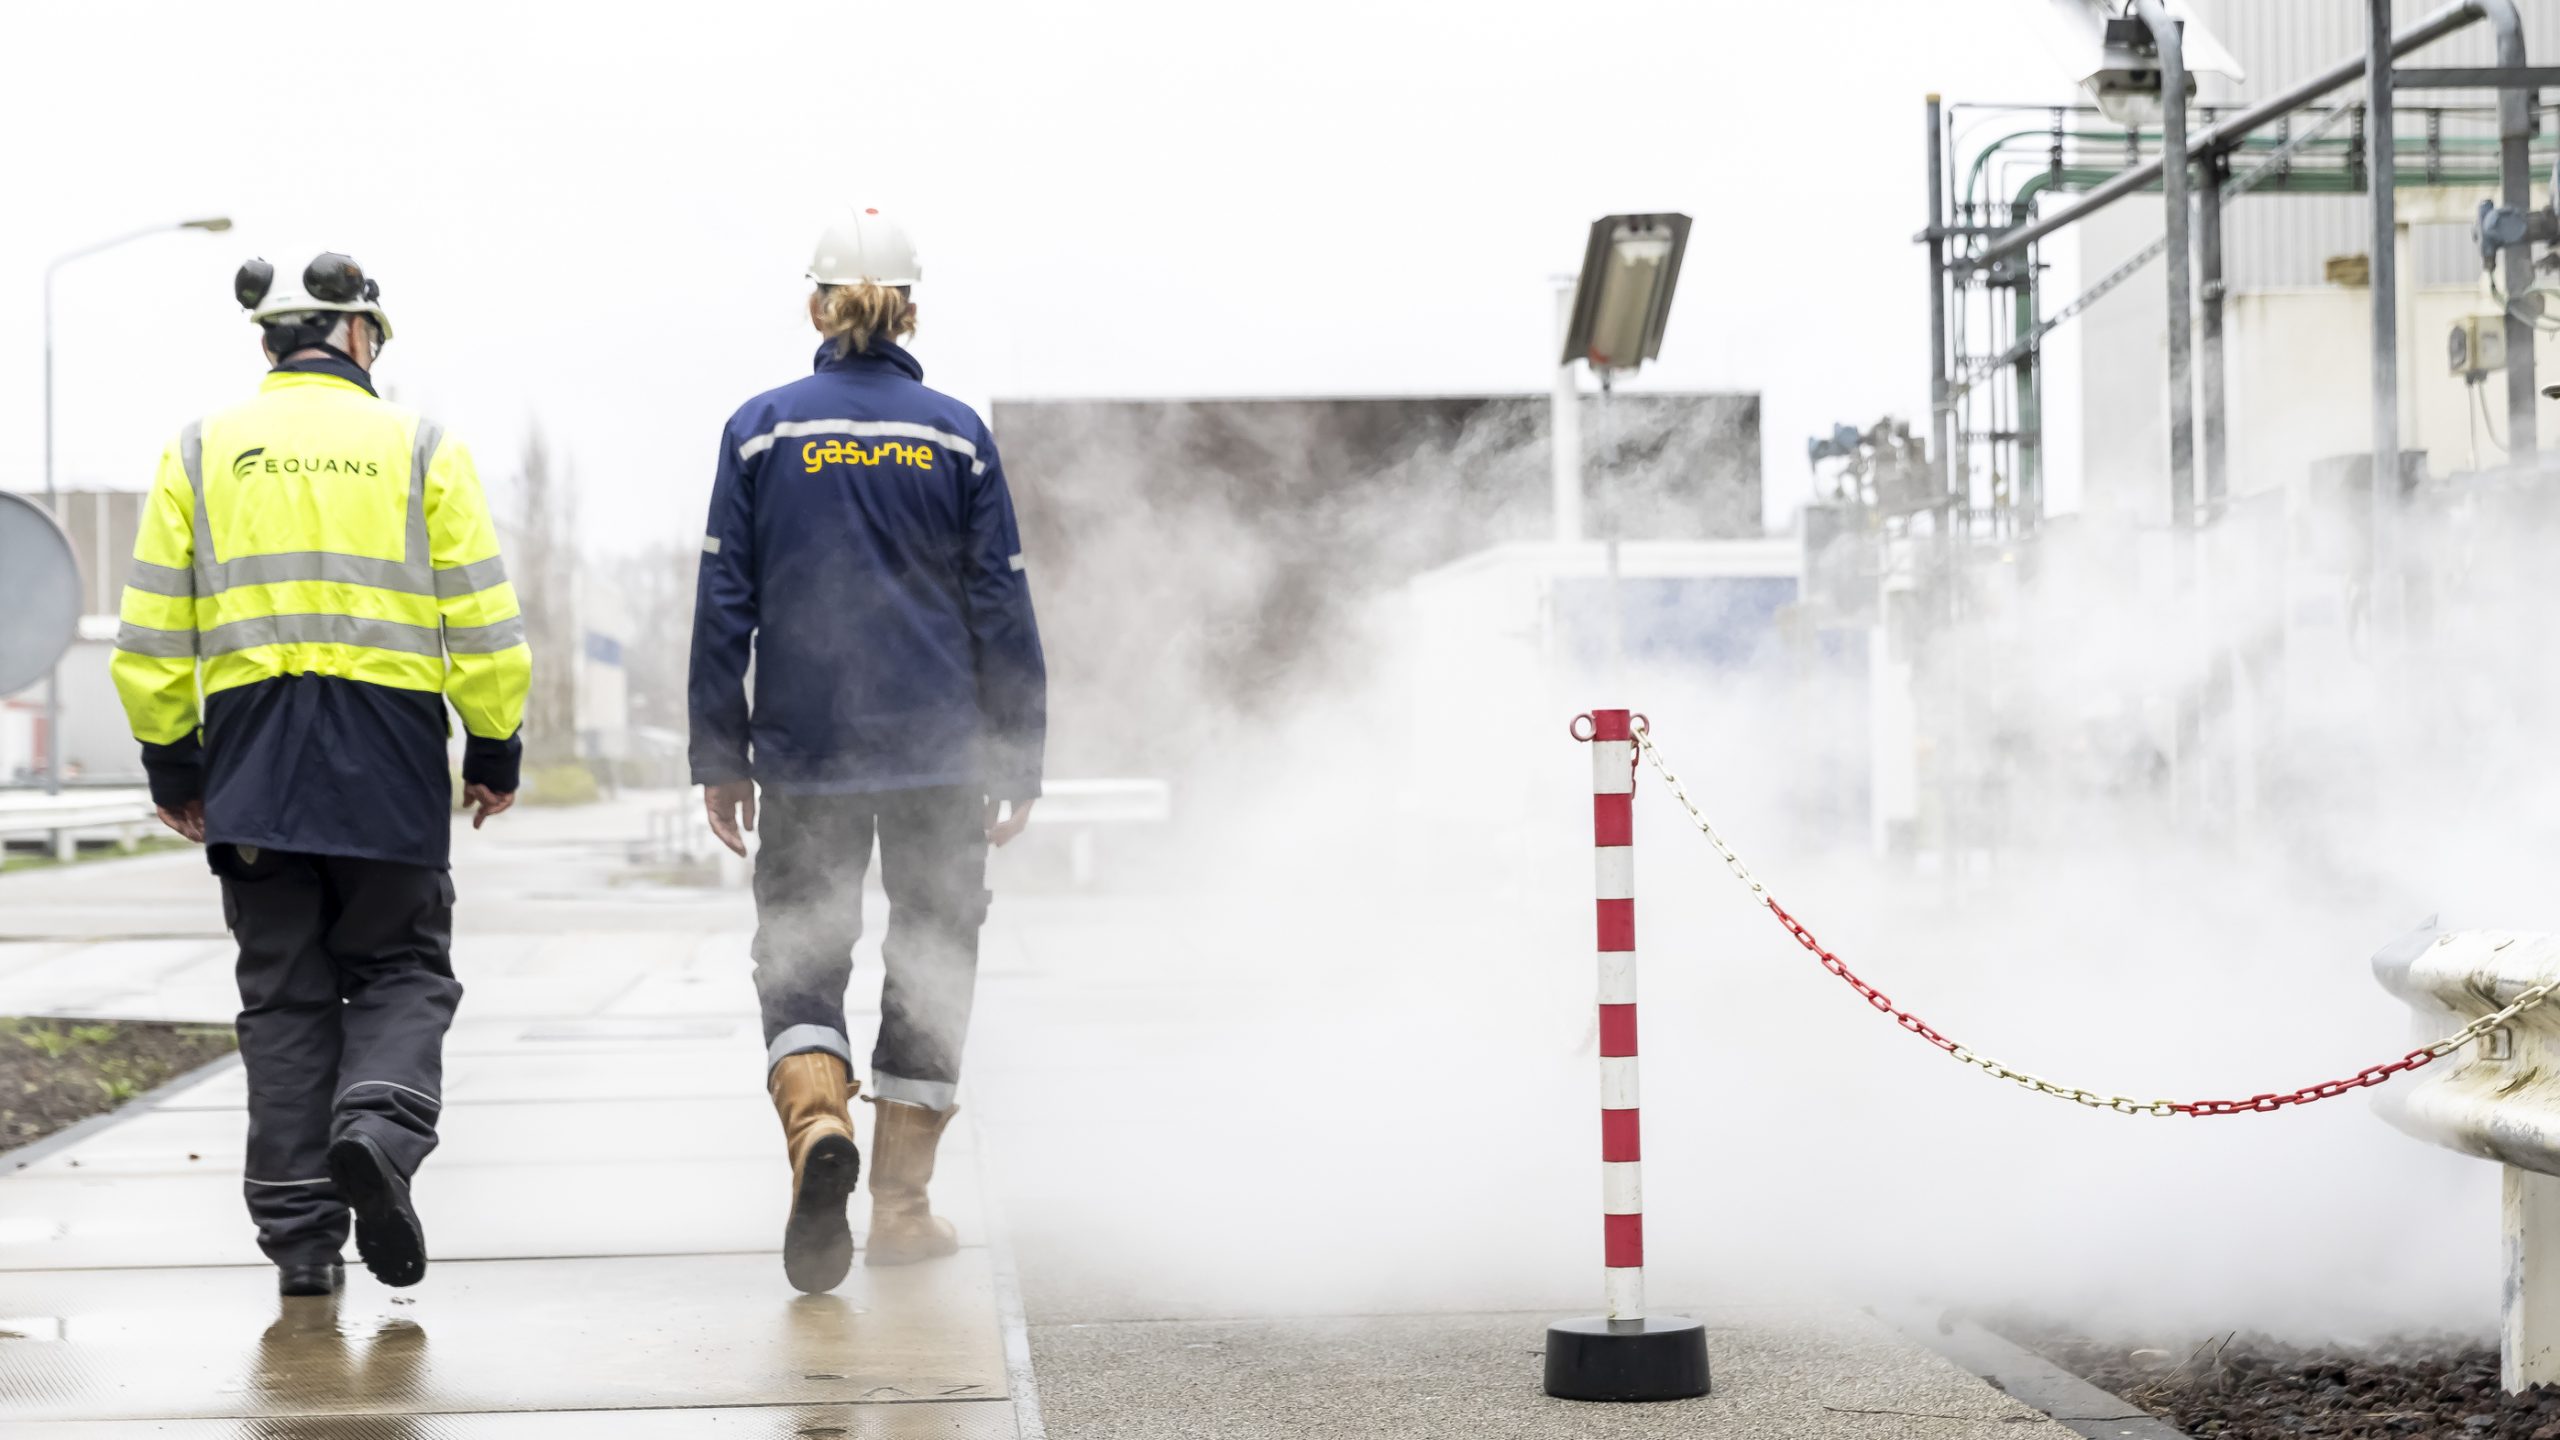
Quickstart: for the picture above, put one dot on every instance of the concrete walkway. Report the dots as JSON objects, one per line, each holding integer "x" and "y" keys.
{"x": 603, "y": 1213}
{"x": 1212, "y": 1242}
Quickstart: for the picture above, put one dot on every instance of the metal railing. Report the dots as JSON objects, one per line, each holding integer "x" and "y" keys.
{"x": 61, "y": 821}
{"x": 2498, "y": 1099}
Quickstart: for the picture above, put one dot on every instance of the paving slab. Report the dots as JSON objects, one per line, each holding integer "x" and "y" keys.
{"x": 593, "y": 1334}
{"x": 1807, "y": 1374}
{"x": 924, "y": 1420}
{"x": 695, "y": 1073}
{"x": 193, "y": 1141}
{"x": 158, "y": 979}
{"x": 473, "y": 1035}
{"x": 19, "y": 957}
{"x": 741, "y": 1126}
{"x": 666, "y": 1205}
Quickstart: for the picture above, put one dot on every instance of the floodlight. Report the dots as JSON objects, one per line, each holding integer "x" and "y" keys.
{"x": 2127, "y": 80}
{"x": 1623, "y": 300}
{"x": 2109, "y": 51}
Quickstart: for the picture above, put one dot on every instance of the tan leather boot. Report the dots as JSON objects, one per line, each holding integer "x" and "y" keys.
{"x": 904, "y": 1228}
{"x": 811, "y": 1092}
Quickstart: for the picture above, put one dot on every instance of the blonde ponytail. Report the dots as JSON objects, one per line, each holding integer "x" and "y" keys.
{"x": 857, "y": 315}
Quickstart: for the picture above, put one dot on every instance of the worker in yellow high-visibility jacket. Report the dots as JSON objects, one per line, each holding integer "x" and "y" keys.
{"x": 320, "y": 563}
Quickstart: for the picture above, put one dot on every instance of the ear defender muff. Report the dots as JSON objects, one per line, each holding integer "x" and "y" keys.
{"x": 251, "y": 285}
{"x": 336, "y": 279}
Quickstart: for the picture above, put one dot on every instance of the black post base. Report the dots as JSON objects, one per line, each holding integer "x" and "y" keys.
{"x": 1662, "y": 1357}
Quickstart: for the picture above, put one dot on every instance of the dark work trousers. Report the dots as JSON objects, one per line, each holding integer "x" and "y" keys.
{"x": 346, "y": 987}
{"x": 809, "y": 870}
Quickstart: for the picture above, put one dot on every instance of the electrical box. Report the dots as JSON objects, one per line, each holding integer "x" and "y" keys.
{"x": 2477, "y": 346}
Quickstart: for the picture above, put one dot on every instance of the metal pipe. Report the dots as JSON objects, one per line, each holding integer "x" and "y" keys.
{"x": 53, "y": 507}
{"x": 2173, "y": 180}
{"x": 2029, "y": 377}
{"x": 2435, "y": 27}
{"x": 1938, "y": 402}
{"x": 2471, "y": 77}
{"x": 1564, "y": 431}
{"x": 2217, "y": 480}
{"x": 2515, "y": 187}
{"x": 2380, "y": 167}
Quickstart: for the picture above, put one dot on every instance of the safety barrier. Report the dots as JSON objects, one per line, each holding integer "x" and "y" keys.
{"x": 1083, "y": 809}
{"x": 2260, "y": 1104}
{"x": 1625, "y": 1354}
{"x": 125, "y": 815}
{"x": 2500, "y": 1101}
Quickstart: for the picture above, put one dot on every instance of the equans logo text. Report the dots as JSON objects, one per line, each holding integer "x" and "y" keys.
{"x": 257, "y": 458}
{"x": 887, "y": 452}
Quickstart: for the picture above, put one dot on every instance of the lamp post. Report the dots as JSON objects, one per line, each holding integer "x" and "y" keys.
{"x": 1619, "y": 306}
{"x": 1621, "y": 302}
{"x": 52, "y": 496}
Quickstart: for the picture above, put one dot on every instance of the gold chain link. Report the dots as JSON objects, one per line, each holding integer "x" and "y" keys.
{"x": 2531, "y": 997}
{"x": 1733, "y": 862}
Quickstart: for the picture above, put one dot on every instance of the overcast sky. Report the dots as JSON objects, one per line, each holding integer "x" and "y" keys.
{"x": 596, "y": 218}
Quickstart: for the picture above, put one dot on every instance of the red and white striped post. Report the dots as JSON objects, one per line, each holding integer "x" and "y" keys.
{"x": 1625, "y": 1354}
{"x": 1613, "y": 855}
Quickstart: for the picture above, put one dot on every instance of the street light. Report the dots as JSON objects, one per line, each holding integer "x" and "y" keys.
{"x": 1611, "y": 315}
{"x": 1623, "y": 299}
{"x": 212, "y": 225}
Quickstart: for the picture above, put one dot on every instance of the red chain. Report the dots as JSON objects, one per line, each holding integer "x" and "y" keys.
{"x": 2255, "y": 1105}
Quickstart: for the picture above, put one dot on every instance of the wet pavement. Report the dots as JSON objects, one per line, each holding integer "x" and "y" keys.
{"x": 603, "y": 1213}
{"x": 1212, "y": 1241}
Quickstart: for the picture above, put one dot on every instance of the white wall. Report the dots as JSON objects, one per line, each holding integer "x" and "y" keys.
{"x": 96, "y": 739}
{"x": 604, "y": 691}
{"x": 2300, "y": 366}
{"x": 18, "y": 720}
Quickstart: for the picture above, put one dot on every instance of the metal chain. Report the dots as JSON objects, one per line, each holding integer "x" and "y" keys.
{"x": 2121, "y": 1104}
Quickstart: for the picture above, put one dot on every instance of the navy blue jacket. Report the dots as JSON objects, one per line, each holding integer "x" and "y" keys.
{"x": 862, "y": 550}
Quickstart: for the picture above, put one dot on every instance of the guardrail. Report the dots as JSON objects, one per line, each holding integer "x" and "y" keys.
{"x": 1084, "y": 808}
{"x": 1079, "y": 810}
{"x": 2497, "y": 1098}
{"x": 62, "y": 820}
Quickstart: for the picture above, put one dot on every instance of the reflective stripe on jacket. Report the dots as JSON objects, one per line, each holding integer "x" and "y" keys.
{"x": 320, "y": 534}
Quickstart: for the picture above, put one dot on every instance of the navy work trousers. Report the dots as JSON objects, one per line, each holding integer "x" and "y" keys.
{"x": 346, "y": 989}
{"x": 808, "y": 881}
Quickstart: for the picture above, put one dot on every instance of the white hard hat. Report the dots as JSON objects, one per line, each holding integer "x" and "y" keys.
{"x": 864, "y": 244}
{"x": 331, "y": 282}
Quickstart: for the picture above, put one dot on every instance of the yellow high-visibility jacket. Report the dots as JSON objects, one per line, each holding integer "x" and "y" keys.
{"x": 320, "y": 563}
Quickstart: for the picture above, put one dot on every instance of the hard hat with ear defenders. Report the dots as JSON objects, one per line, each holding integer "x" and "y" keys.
{"x": 331, "y": 284}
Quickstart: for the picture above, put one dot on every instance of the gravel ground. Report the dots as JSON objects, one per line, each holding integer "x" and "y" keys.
{"x": 56, "y": 1072}
{"x": 2240, "y": 1387}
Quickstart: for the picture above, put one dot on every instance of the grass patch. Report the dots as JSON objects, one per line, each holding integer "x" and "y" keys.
{"x": 55, "y": 1073}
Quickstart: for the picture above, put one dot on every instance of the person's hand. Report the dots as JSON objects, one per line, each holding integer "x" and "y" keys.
{"x": 1001, "y": 828}
{"x": 489, "y": 801}
{"x": 187, "y": 820}
{"x": 732, "y": 808}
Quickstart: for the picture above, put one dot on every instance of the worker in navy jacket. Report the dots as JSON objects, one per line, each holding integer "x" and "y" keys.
{"x": 862, "y": 554}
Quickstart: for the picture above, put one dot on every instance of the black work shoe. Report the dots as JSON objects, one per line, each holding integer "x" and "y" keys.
{"x": 322, "y": 1277}
{"x": 817, "y": 1243}
{"x": 388, "y": 1235}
